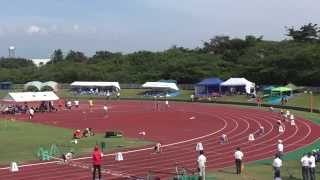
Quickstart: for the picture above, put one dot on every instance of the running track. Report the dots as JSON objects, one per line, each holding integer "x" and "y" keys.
{"x": 176, "y": 130}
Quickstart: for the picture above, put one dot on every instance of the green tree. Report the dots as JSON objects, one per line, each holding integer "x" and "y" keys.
{"x": 306, "y": 33}
{"x": 57, "y": 56}
{"x": 76, "y": 56}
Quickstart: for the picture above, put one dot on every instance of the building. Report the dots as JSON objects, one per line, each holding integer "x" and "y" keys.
{"x": 40, "y": 62}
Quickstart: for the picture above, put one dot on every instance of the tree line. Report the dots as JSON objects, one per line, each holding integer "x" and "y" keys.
{"x": 295, "y": 60}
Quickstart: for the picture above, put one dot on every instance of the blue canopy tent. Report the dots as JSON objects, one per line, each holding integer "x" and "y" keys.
{"x": 6, "y": 85}
{"x": 208, "y": 86}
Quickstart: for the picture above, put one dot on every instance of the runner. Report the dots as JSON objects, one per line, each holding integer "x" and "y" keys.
{"x": 90, "y": 105}
{"x": 105, "y": 110}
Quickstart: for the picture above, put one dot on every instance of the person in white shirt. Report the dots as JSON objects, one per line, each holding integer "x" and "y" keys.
{"x": 281, "y": 129}
{"x": 108, "y": 95}
{"x": 76, "y": 103}
{"x": 312, "y": 166}
{"x": 305, "y": 167}
{"x": 192, "y": 97}
{"x": 199, "y": 147}
{"x": 238, "y": 155}
{"x": 202, "y": 165}
{"x": 31, "y": 113}
{"x": 276, "y": 164}
{"x": 67, "y": 157}
{"x": 69, "y": 104}
{"x": 157, "y": 148}
{"x": 167, "y": 103}
{"x": 280, "y": 148}
{"x": 105, "y": 109}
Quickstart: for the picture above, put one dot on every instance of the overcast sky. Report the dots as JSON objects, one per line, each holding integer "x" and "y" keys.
{"x": 37, "y": 27}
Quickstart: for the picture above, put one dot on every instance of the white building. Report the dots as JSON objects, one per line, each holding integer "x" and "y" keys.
{"x": 40, "y": 62}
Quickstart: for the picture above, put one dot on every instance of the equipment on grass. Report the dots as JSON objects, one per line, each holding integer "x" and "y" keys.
{"x": 119, "y": 156}
{"x": 14, "y": 167}
{"x": 113, "y": 134}
{"x": 43, "y": 154}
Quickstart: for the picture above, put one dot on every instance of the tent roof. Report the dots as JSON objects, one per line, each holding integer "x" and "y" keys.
{"x": 292, "y": 86}
{"x": 281, "y": 89}
{"x": 239, "y": 82}
{"x": 210, "y": 81}
{"x": 268, "y": 88}
{"x": 52, "y": 84}
{"x": 95, "y": 84}
{"x": 161, "y": 85}
{"x": 36, "y": 84}
{"x": 6, "y": 82}
{"x": 236, "y": 82}
{"x": 168, "y": 80}
{"x": 31, "y": 96}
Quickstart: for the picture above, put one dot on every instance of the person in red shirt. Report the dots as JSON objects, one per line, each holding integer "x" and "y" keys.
{"x": 96, "y": 161}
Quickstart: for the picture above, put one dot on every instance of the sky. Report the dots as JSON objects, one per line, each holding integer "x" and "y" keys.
{"x": 37, "y": 27}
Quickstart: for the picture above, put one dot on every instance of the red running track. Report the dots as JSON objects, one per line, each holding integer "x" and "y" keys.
{"x": 179, "y": 128}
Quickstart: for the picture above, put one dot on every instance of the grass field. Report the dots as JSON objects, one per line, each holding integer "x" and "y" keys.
{"x": 21, "y": 140}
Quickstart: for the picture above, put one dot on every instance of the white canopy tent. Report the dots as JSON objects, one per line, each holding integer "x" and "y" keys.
{"x": 95, "y": 84}
{"x": 232, "y": 82}
{"x": 161, "y": 85}
{"x": 31, "y": 96}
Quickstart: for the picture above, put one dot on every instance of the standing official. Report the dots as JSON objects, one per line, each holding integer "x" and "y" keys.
{"x": 202, "y": 165}
{"x": 96, "y": 161}
{"x": 276, "y": 164}
{"x": 238, "y": 155}
{"x": 280, "y": 148}
{"x": 305, "y": 167}
{"x": 312, "y": 166}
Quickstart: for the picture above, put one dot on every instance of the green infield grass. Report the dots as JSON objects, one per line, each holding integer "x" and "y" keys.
{"x": 20, "y": 141}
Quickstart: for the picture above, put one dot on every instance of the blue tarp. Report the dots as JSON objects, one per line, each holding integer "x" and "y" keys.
{"x": 208, "y": 86}
{"x": 210, "y": 82}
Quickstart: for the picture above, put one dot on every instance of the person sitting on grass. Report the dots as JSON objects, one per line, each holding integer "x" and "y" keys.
{"x": 88, "y": 132}
{"x": 77, "y": 134}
